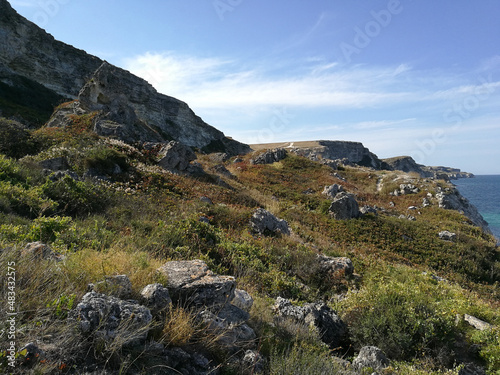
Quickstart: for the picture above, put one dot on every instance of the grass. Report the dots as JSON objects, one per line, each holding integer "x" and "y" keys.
{"x": 140, "y": 219}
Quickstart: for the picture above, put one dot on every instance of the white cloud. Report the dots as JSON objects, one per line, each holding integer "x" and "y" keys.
{"x": 217, "y": 83}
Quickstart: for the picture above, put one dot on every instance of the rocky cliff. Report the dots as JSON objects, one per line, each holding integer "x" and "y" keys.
{"x": 344, "y": 152}
{"x": 407, "y": 164}
{"x": 33, "y": 63}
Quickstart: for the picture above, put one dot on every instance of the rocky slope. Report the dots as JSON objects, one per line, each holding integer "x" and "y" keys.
{"x": 49, "y": 67}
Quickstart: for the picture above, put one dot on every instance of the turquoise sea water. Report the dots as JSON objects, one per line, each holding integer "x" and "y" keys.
{"x": 484, "y": 193}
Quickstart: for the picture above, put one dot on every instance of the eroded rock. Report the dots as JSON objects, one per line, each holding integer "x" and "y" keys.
{"x": 192, "y": 283}
{"x": 264, "y": 222}
{"x": 110, "y": 318}
{"x": 318, "y": 316}
{"x": 344, "y": 207}
{"x": 270, "y": 156}
{"x": 370, "y": 356}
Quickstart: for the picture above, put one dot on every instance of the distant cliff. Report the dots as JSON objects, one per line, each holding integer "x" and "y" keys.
{"x": 344, "y": 152}
{"x": 407, "y": 164}
{"x": 38, "y": 72}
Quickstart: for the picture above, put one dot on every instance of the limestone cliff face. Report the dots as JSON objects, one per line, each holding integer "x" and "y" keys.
{"x": 344, "y": 151}
{"x": 128, "y": 107}
{"x": 28, "y": 51}
{"x": 407, "y": 164}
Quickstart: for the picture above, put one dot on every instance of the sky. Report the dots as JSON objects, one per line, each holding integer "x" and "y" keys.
{"x": 404, "y": 77}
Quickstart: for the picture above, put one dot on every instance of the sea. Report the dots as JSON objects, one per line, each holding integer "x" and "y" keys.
{"x": 483, "y": 191}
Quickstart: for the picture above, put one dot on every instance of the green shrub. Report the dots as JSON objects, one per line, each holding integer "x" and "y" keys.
{"x": 403, "y": 313}
{"x": 489, "y": 340}
{"x": 15, "y": 140}
{"x": 77, "y": 197}
{"x": 104, "y": 159}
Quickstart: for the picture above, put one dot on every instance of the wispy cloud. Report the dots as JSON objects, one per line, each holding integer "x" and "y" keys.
{"x": 222, "y": 83}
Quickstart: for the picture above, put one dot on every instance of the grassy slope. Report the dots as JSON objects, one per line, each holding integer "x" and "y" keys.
{"x": 146, "y": 217}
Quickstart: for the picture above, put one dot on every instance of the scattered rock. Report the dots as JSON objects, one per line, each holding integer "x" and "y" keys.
{"x": 477, "y": 323}
{"x": 368, "y": 210}
{"x": 264, "y": 222}
{"x": 426, "y": 202}
{"x": 230, "y": 328}
{"x": 192, "y": 283}
{"x": 370, "y": 356}
{"x": 344, "y": 207}
{"x": 332, "y": 190}
{"x": 447, "y": 236}
{"x": 207, "y": 200}
{"x": 318, "y": 316}
{"x": 330, "y": 265}
{"x": 40, "y": 251}
{"x": 407, "y": 217}
{"x": 253, "y": 362}
{"x": 405, "y": 189}
{"x": 269, "y": 156}
{"x": 155, "y": 297}
{"x": 110, "y": 318}
{"x": 242, "y": 299}
{"x": 175, "y": 157}
{"x": 118, "y": 286}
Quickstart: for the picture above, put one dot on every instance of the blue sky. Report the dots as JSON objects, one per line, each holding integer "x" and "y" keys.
{"x": 408, "y": 77}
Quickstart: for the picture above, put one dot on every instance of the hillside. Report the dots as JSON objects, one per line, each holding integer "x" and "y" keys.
{"x": 137, "y": 239}
{"x": 390, "y": 274}
{"x": 38, "y": 73}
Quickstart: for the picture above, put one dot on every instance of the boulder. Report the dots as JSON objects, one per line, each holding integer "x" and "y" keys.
{"x": 451, "y": 199}
{"x": 408, "y": 189}
{"x": 447, "y": 236}
{"x": 112, "y": 319}
{"x": 318, "y": 316}
{"x": 175, "y": 156}
{"x": 269, "y": 156}
{"x": 264, "y": 222}
{"x": 230, "y": 328}
{"x": 192, "y": 283}
{"x": 344, "y": 206}
{"x": 118, "y": 286}
{"x": 330, "y": 265}
{"x": 426, "y": 202}
{"x": 331, "y": 191}
{"x": 477, "y": 323}
{"x": 242, "y": 300}
{"x": 155, "y": 297}
{"x": 370, "y": 356}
